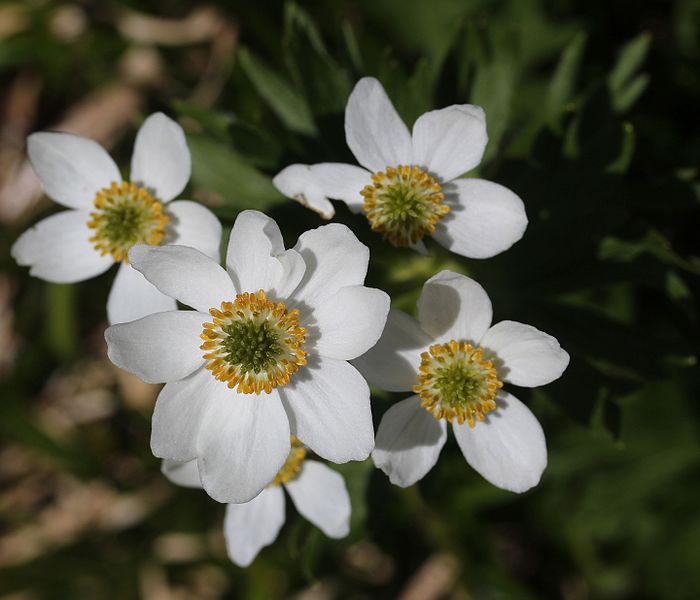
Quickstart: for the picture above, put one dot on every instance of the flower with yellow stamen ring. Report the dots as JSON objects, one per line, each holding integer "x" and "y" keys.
{"x": 456, "y": 382}
{"x": 456, "y": 363}
{"x": 126, "y": 214}
{"x": 107, "y": 216}
{"x": 252, "y": 344}
{"x": 263, "y": 354}
{"x": 404, "y": 204}
{"x": 410, "y": 184}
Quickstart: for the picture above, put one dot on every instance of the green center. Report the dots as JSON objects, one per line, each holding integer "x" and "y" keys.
{"x": 252, "y": 345}
{"x": 125, "y": 223}
{"x": 459, "y": 384}
{"x": 403, "y": 204}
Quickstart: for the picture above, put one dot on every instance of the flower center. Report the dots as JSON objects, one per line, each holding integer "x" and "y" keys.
{"x": 253, "y": 344}
{"x": 455, "y": 381}
{"x": 126, "y": 214}
{"x": 403, "y": 204}
{"x": 291, "y": 467}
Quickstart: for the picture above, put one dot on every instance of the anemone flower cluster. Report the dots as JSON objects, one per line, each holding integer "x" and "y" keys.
{"x": 266, "y": 359}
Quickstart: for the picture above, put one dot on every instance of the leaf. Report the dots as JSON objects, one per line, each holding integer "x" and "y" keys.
{"x": 219, "y": 169}
{"x": 290, "y": 106}
{"x": 561, "y": 87}
{"x": 625, "y": 88}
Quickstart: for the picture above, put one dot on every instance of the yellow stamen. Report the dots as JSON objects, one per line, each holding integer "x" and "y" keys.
{"x": 126, "y": 214}
{"x": 253, "y": 344}
{"x": 291, "y": 467}
{"x": 455, "y": 381}
{"x": 404, "y": 203}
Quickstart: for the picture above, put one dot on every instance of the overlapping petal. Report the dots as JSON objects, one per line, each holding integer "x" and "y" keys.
{"x": 58, "y": 249}
{"x": 485, "y": 219}
{"x": 159, "y": 348}
{"x": 132, "y": 297}
{"x": 297, "y": 182}
{"x": 329, "y": 411}
{"x": 409, "y": 442}
{"x": 508, "y": 448}
{"x": 194, "y": 225}
{"x": 72, "y": 169}
{"x": 374, "y": 130}
{"x": 454, "y": 307}
{"x": 161, "y": 160}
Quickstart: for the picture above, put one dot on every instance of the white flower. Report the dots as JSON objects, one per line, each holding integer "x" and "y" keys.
{"x": 278, "y": 327}
{"x": 109, "y": 215}
{"x": 408, "y": 187}
{"x": 456, "y": 362}
{"x": 318, "y": 492}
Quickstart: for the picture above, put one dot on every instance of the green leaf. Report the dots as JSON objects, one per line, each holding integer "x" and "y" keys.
{"x": 219, "y": 169}
{"x": 290, "y": 106}
{"x": 625, "y": 86}
{"x": 561, "y": 87}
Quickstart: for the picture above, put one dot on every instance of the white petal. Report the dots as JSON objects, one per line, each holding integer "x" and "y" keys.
{"x": 184, "y": 274}
{"x": 297, "y": 183}
{"x": 508, "y": 448}
{"x": 349, "y": 323}
{"x": 374, "y": 131}
{"x": 450, "y": 141}
{"x": 525, "y": 355}
{"x": 409, "y": 442}
{"x": 161, "y": 160}
{"x": 256, "y": 258}
{"x": 183, "y": 474}
{"x": 320, "y": 495}
{"x": 195, "y": 226}
{"x": 328, "y": 406}
{"x": 342, "y": 182}
{"x": 454, "y": 307}
{"x": 334, "y": 258}
{"x": 132, "y": 297}
{"x": 242, "y": 443}
{"x": 178, "y": 414}
{"x": 57, "y": 249}
{"x": 392, "y": 364}
{"x": 72, "y": 169}
{"x": 250, "y": 527}
{"x": 485, "y": 219}
{"x": 160, "y": 347}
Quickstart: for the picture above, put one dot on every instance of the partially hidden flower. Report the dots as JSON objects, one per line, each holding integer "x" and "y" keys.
{"x": 317, "y": 491}
{"x": 109, "y": 215}
{"x": 263, "y": 354}
{"x": 456, "y": 363}
{"x": 408, "y": 184}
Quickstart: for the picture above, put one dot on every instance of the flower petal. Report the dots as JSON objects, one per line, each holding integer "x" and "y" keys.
{"x": 328, "y": 407}
{"x": 178, "y": 414}
{"x": 297, "y": 183}
{"x": 392, "y": 364}
{"x": 349, "y": 323}
{"x": 342, "y": 182}
{"x": 374, "y": 131}
{"x": 409, "y": 442}
{"x": 450, "y": 141}
{"x": 184, "y": 274}
{"x": 249, "y": 527}
{"x": 485, "y": 219}
{"x": 454, "y": 307}
{"x": 320, "y": 495}
{"x": 334, "y": 258}
{"x": 133, "y": 297}
{"x": 161, "y": 161}
{"x": 57, "y": 249}
{"x": 194, "y": 225}
{"x": 256, "y": 258}
{"x": 72, "y": 169}
{"x": 525, "y": 355}
{"x": 183, "y": 474}
{"x": 508, "y": 448}
{"x": 242, "y": 443}
{"x": 160, "y": 347}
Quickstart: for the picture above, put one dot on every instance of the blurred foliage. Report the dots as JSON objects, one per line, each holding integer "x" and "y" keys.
{"x": 591, "y": 111}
